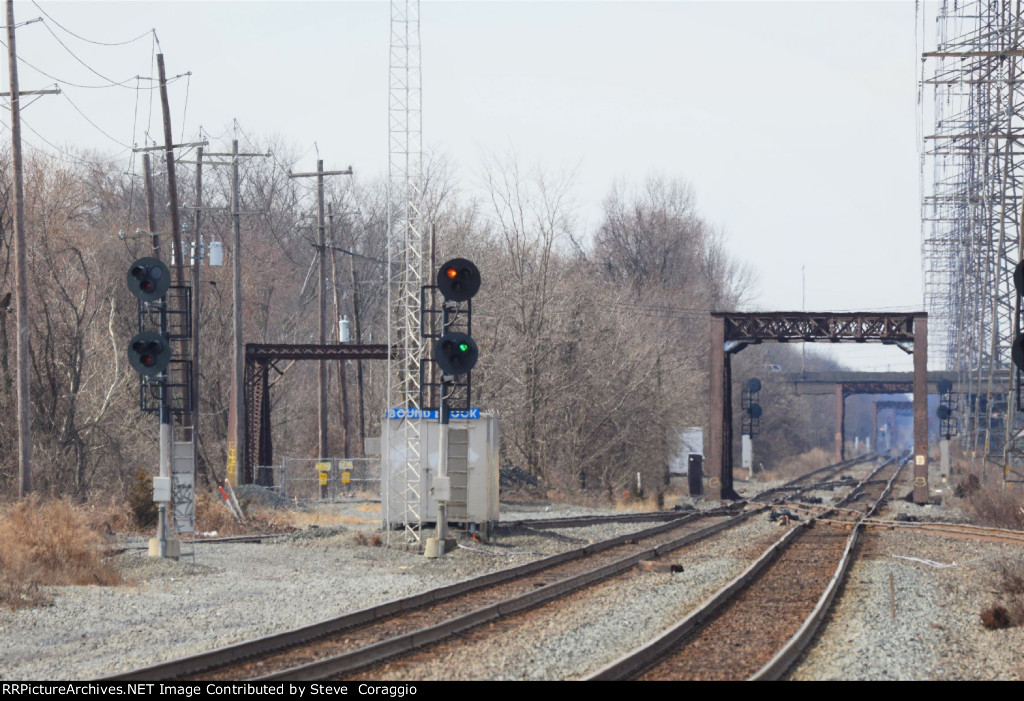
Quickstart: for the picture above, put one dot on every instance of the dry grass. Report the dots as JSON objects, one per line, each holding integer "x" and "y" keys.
{"x": 794, "y": 467}
{"x": 49, "y": 543}
{"x": 990, "y": 504}
{"x": 1011, "y": 582}
{"x": 111, "y": 517}
{"x": 304, "y": 519}
{"x": 994, "y": 506}
{"x": 1010, "y": 610}
{"x": 213, "y": 515}
{"x": 630, "y": 504}
{"x": 360, "y": 538}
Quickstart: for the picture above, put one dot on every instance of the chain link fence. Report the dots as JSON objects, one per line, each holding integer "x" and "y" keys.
{"x": 309, "y": 479}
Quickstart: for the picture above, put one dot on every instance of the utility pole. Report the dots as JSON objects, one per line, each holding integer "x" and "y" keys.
{"x": 236, "y": 412}
{"x": 237, "y": 354}
{"x": 197, "y": 259}
{"x": 179, "y": 477}
{"x": 342, "y": 379}
{"x": 359, "y": 363}
{"x": 172, "y": 182}
{"x": 321, "y": 252}
{"x": 165, "y": 544}
{"x": 147, "y": 172}
{"x": 21, "y": 277}
{"x": 200, "y": 252}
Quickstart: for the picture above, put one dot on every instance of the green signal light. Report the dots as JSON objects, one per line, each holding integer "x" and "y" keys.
{"x": 463, "y": 347}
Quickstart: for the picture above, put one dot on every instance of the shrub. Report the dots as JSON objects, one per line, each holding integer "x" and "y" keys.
{"x": 140, "y": 500}
{"x": 996, "y": 506}
{"x": 212, "y": 514}
{"x": 48, "y": 543}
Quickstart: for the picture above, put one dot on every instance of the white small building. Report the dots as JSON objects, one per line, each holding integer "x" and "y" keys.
{"x": 472, "y": 470}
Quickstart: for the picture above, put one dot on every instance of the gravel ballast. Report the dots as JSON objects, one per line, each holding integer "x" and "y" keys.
{"x": 226, "y": 593}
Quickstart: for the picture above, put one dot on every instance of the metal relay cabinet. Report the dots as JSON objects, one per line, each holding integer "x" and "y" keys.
{"x": 472, "y": 469}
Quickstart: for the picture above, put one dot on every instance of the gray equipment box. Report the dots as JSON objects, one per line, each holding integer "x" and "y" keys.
{"x": 472, "y": 471}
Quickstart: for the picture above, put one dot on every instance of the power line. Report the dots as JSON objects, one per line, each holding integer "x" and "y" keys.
{"x": 91, "y": 41}
{"x": 76, "y": 57}
{"x": 95, "y": 126}
{"x": 110, "y": 84}
{"x": 60, "y": 151}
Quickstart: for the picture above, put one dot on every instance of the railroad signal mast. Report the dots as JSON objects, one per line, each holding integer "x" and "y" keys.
{"x": 947, "y": 422}
{"x": 150, "y": 353}
{"x": 751, "y": 422}
{"x": 455, "y": 353}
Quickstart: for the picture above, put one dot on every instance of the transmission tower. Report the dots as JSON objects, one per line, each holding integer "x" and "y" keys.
{"x": 405, "y": 257}
{"x": 971, "y": 214}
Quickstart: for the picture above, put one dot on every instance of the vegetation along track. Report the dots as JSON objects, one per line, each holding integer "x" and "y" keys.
{"x": 758, "y": 624}
{"x": 362, "y": 637}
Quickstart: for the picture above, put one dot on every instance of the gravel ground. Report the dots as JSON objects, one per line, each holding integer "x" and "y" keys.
{"x": 928, "y": 625}
{"x": 227, "y": 593}
{"x": 571, "y": 639}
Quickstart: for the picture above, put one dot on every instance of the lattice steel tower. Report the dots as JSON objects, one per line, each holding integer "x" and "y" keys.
{"x": 971, "y": 213}
{"x": 405, "y": 255}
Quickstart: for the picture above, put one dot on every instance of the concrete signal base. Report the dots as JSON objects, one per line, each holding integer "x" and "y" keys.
{"x": 435, "y": 547}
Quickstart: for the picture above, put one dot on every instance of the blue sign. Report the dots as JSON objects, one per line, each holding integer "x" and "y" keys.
{"x": 431, "y": 414}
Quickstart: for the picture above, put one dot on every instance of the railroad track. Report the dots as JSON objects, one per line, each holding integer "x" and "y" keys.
{"x": 757, "y": 625}
{"x": 378, "y": 632}
{"x": 953, "y": 530}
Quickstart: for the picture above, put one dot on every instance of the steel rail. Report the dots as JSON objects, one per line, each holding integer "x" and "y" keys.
{"x": 200, "y": 662}
{"x": 242, "y": 651}
{"x": 591, "y": 520}
{"x": 955, "y": 530}
{"x": 577, "y": 521}
{"x": 378, "y": 652}
{"x": 633, "y": 663}
{"x": 796, "y": 645}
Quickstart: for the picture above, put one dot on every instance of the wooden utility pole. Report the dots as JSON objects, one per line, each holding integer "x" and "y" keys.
{"x": 236, "y": 409}
{"x": 321, "y": 252}
{"x": 342, "y": 379}
{"x": 197, "y": 259}
{"x": 21, "y": 277}
{"x": 172, "y": 182}
{"x": 147, "y": 173}
{"x": 358, "y": 338}
{"x": 236, "y": 447}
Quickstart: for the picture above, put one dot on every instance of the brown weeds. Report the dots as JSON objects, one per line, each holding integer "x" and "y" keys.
{"x": 995, "y": 617}
{"x": 212, "y": 514}
{"x": 794, "y": 467}
{"x": 48, "y": 543}
{"x": 996, "y": 506}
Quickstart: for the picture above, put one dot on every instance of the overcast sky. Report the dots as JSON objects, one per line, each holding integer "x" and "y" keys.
{"x": 796, "y": 123}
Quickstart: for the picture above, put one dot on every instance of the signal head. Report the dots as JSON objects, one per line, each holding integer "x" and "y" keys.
{"x": 456, "y": 353}
{"x": 149, "y": 279}
{"x": 458, "y": 280}
{"x": 149, "y": 353}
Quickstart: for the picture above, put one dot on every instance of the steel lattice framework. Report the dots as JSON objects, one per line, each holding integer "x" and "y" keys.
{"x": 731, "y": 332}
{"x": 260, "y": 359}
{"x": 834, "y": 327}
{"x": 972, "y": 177}
{"x": 405, "y": 249}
